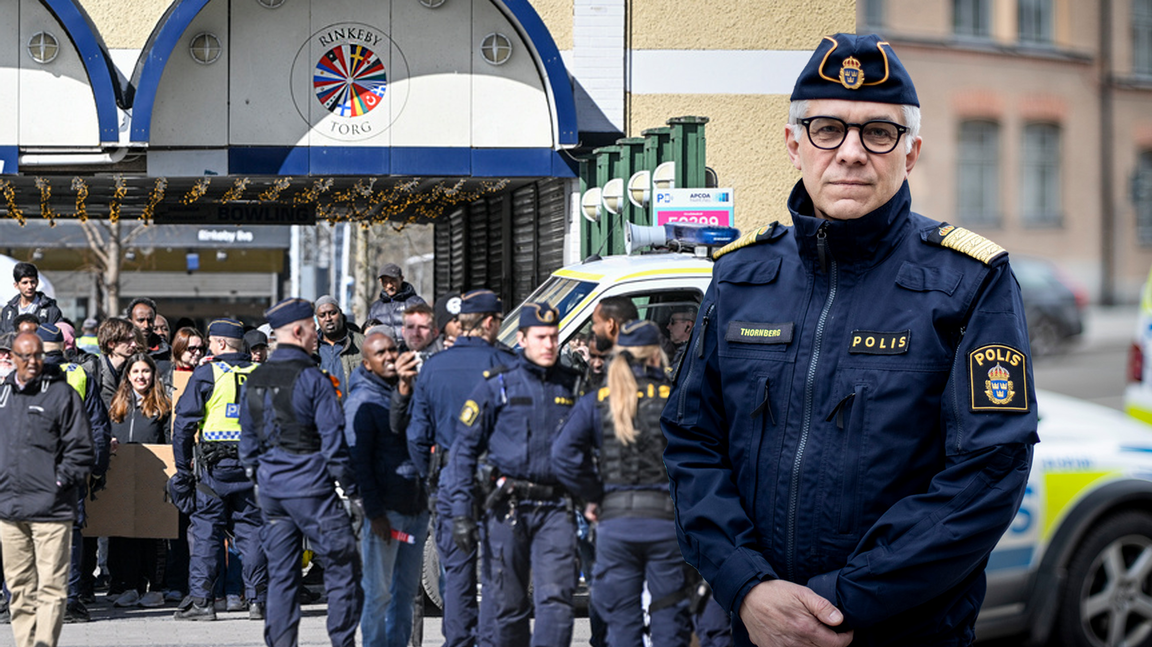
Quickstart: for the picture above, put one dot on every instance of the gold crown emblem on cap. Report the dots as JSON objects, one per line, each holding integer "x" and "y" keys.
{"x": 851, "y": 76}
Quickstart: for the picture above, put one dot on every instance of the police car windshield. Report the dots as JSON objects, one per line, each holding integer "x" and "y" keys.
{"x": 562, "y": 294}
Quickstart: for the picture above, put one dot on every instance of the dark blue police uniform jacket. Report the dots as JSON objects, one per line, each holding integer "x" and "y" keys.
{"x": 855, "y": 412}
{"x": 514, "y": 415}
{"x": 227, "y": 475}
{"x": 583, "y": 432}
{"x": 283, "y": 474}
{"x": 441, "y": 389}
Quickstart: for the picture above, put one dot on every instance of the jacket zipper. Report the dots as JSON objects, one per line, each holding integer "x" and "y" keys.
{"x": 699, "y": 352}
{"x": 809, "y": 396}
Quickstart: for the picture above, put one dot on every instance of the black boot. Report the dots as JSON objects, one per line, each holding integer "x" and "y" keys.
{"x": 196, "y": 609}
{"x": 255, "y": 610}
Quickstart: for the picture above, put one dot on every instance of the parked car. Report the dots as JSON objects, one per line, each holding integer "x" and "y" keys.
{"x": 1053, "y": 303}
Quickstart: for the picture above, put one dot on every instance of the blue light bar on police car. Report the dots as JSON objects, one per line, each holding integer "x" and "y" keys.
{"x": 681, "y": 235}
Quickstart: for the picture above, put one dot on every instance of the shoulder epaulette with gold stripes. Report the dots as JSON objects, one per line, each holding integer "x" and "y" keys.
{"x": 966, "y": 242}
{"x": 751, "y": 238}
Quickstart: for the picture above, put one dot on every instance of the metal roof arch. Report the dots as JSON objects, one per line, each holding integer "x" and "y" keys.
{"x": 176, "y": 20}
{"x": 102, "y": 76}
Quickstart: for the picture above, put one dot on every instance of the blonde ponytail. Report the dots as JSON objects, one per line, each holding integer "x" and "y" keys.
{"x": 622, "y": 398}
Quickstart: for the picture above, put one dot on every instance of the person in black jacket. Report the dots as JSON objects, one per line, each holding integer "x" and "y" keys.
{"x": 141, "y": 412}
{"x": 45, "y": 457}
{"x": 30, "y": 300}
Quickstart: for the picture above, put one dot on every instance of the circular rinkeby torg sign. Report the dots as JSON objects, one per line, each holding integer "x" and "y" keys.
{"x": 340, "y": 81}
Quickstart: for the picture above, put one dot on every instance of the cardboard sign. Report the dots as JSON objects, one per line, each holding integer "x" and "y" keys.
{"x": 135, "y": 503}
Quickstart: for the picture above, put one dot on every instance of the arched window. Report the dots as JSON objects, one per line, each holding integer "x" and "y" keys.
{"x": 978, "y": 174}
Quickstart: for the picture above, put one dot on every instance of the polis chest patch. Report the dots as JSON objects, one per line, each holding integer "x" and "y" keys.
{"x": 751, "y": 332}
{"x": 999, "y": 378}
{"x": 871, "y": 342}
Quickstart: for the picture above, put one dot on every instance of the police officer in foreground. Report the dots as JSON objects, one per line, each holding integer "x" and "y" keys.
{"x": 628, "y": 490}
{"x": 209, "y": 413}
{"x": 440, "y": 391}
{"x": 855, "y": 432}
{"x": 513, "y": 416}
{"x": 293, "y": 447}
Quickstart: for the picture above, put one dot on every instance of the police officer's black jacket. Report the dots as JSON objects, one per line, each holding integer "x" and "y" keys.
{"x": 45, "y": 448}
{"x": 855, "y": 413}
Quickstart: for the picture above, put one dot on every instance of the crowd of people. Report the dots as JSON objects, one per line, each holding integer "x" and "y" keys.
{"x": 356, "y": 439}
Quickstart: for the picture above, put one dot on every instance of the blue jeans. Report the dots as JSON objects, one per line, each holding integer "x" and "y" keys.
{"x": 390, "y": 580}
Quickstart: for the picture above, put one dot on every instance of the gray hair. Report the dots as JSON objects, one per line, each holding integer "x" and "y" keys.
{"x": 798, "y": 110}
{"x": 380, "y": 330}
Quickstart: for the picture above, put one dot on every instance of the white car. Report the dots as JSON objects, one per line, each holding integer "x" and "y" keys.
{"x": 1076, "y": 565}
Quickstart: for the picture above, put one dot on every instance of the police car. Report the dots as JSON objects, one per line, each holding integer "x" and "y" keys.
{"x": 1075, "y": 568}
{"x": 1138, "y": 393}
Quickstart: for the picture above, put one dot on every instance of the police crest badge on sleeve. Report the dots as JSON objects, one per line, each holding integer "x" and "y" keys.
{"x": 999, "y": 378}
{"x": 469, "y": 413}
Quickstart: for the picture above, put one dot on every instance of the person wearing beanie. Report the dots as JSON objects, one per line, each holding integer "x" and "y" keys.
{"x": 852, "y": 431}
{"x": 293, "y": 449}
{"x": 207, "y": 428}
{"x": 512, "y": 417}
{"x": 339, "y": 346}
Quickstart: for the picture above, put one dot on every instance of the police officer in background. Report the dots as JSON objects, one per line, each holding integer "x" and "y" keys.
{"x": 440, "y": 391}
{"x": 293, "y": 447}
{"x": 856, "y": 432}
{"x": 635, "y": 532}
{"x": 209, "y": 412}
{"x": 513, "y": 417}
{"x": 86, "y": 386}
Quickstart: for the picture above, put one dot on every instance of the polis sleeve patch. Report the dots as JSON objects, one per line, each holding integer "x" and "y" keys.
{"x": 871, "y": 342}
{"x": 999, "y": 378}
{"x": 759, "y": 333}
{"x": 469, "y": 413}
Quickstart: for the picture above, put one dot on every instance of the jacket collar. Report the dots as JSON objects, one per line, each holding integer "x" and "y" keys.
{"x": 464, "y": 340}
{"x": 369, "y": 378}
{"x": 287, "y": 352}
{"x": 865, "y": 240}
{"x": 405, "y": 292}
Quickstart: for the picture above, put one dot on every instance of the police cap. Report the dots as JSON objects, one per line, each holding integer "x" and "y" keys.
{"x": 480, "y": 301}
{"x": 288, "y": 311}
{"x": 229, "y": 328}
{"x": 855, "y": 68}
{"x": 639, "y": 333}
{"x": 538, "y": 314}
{"x": 50, "y": 333}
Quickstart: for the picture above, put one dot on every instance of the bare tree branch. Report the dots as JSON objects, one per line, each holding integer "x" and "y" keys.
{"x": 95, "y": 243}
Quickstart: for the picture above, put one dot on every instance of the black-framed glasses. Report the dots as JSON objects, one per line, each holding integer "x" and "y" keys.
{"x": 28, "y": 357}
{"x": 195, "y": 349}
{"x": 878, "y": 136}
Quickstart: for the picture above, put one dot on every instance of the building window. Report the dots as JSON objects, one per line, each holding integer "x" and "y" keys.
{"x": 874, "y": 13}
{"x": 972, "y": 18}
{"x": 1035, "y": 21}
{"x": 978, "y": 174}
{"x": 1142, "y": 37}
{"x": 1040, "y": 176}
{"x": 1142, "y": 197}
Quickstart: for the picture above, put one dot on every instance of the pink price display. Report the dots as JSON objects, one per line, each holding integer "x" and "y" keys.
{"x": 719, "y": 217}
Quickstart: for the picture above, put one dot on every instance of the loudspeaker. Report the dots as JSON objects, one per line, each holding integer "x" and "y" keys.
{"x": 637, "y": 236}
